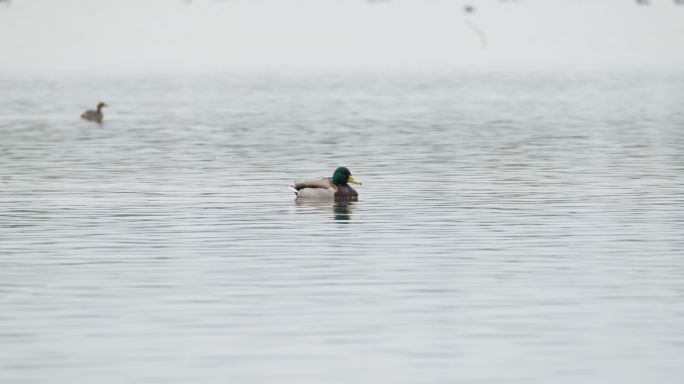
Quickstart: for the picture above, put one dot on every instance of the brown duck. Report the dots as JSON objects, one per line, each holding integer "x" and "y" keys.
{"x": 95, "y": 115}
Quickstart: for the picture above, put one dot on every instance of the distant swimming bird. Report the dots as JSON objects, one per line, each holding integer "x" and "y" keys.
{"x": 96, "y": 115}
{"x": 335, "y": 187}
{"x": 469, "y": 9}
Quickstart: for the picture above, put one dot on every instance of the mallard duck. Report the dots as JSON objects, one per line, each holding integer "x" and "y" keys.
{"x": 336, "y": 187}
{"x": 96, "y": 115}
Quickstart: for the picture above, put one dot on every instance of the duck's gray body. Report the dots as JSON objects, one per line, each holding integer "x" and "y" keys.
{"x": 91, "y": 115}
{"x": 323, "y": 189}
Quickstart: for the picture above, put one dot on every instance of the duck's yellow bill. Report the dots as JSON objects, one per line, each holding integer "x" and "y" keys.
{"x": 353, "y": 180}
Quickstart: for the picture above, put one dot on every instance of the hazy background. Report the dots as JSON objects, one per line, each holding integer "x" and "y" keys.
{"x": 202, "y": 35}
{"x": 518, "y": 225}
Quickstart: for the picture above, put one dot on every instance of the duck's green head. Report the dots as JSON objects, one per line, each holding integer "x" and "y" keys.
{"x": 342, "y": 176}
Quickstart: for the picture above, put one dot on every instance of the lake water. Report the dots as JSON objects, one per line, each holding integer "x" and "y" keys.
{"x": 512, "y": 228}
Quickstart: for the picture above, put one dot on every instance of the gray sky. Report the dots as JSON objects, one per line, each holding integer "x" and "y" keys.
{"x": 204, "y": 35}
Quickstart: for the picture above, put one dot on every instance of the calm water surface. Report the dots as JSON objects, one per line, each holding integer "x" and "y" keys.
{"x": 512, "y": 228}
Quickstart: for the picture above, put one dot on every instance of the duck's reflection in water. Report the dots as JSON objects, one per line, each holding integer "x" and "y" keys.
{"x": 341, "y": 210}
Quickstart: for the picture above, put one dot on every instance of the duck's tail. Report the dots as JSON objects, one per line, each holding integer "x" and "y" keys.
{"x": 293, "y": 189}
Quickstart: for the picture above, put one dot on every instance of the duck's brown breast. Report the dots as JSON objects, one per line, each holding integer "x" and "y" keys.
{"x": 346, "y": 193}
